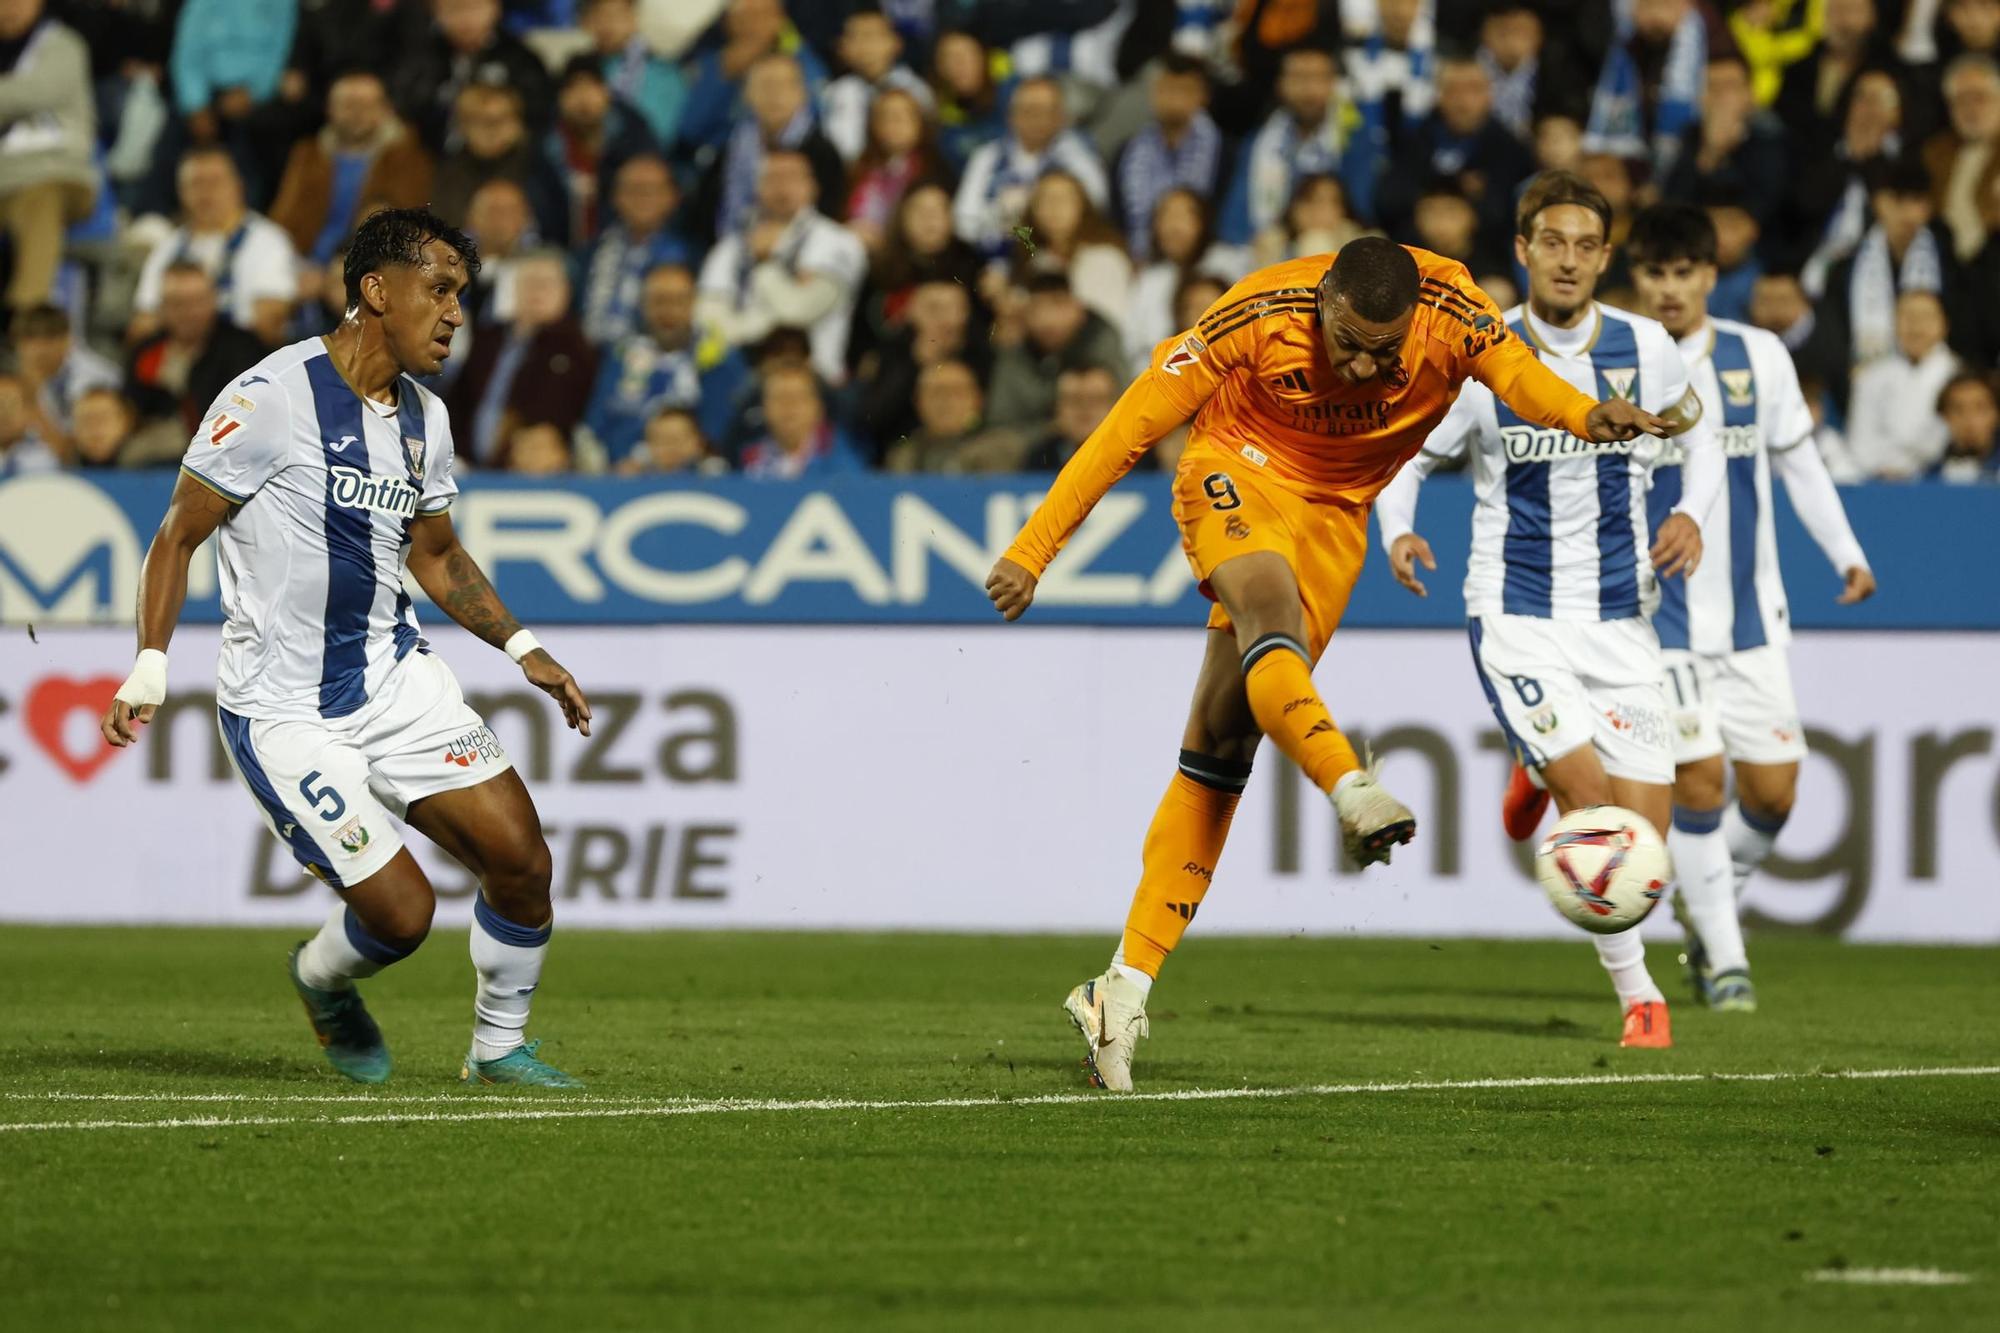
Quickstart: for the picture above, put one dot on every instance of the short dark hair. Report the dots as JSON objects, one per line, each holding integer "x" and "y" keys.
{"x": 1667, "y": 232}
{"x": 1182, "y": 65}
{"x": 1989, "y": 383}
{"x": 1553, "y": 189}
{"x": 1904, "y": 175}
{"x": 397, "y": 236}
{"x": 1044, "y": 282}
{"x": 1377, "y": 276}
{"x": 583, "y": 65}
{"x": 356, "y": 70}
{"x": 42, "y": 321}
{"x": 1305, "y": 49}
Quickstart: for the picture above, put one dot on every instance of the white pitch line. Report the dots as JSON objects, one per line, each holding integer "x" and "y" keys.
{"x": 281, "y": 1099}
{"x": 1892, "y": 1277}
{"x": 720, "y": 1106}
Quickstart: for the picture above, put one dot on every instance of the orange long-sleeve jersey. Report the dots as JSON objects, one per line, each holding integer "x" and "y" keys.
{"x": 1254, "y": 377}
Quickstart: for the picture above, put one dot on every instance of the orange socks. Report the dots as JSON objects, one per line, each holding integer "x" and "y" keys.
{"x": 1181, "y": 850}
{"x": 1278, "y": 675}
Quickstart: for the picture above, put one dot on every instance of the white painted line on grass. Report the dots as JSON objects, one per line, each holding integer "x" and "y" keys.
{"x": 731, "y": 1105}
{"x": 1892, "y": 1277}
{"x": 285, "y": 1099}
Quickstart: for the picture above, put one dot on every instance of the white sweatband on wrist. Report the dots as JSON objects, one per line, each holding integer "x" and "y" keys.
{"x": 148, "y": 682}
{"x": 521, "y": 644}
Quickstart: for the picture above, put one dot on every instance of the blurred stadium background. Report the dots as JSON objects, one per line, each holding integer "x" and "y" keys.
{"x": 789, "y": 312}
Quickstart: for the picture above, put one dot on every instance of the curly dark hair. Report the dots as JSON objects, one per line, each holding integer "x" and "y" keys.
{"x": 398, "y": 236}
{"x": 1378, "y": 277}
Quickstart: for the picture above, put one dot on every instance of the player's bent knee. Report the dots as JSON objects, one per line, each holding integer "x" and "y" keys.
{"x": 1237, "y": 748}
{"x": 517, "y": 883}
{"x": 1773, "y": 805}
{"x": 1699, "y": 785}
{"x": 404, "y": 924}
{"x": 1767, "y": 791}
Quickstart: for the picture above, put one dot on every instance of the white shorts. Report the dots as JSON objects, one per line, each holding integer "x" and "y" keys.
{"x": 1738, "y": 704}
{"x": 1559, "y": 685}
{"x": 327, "y": 786}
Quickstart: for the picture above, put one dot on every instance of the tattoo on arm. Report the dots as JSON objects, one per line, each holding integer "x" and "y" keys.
{"x": 470, "y": 600}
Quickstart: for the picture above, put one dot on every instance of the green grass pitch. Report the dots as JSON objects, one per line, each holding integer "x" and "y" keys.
{"x": 1590, "y": 1204}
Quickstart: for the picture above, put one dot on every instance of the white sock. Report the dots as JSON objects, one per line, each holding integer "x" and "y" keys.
{"x": 1750, "y": 841}
{"x": 1702, "y": 869}
{"x": 508, "y": 958}
{"x": 1624, "y": 957}
{"x": 1131, "y": 974}
{"x": 333, "y": 959}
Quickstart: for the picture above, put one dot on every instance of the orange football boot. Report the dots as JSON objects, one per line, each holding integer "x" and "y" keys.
{"x": 1646, "y": 1025}
{"x": 1522, "y": 808}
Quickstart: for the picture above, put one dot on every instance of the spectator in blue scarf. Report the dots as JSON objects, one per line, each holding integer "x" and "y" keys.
{"x": 1313, "y": 132}
{"x": 1649, "y": 89}
{"x": 639, "y": 238}
{"x": 1180, "y": 147}
{"x": 663, "y": 365}
{"x": 779, "y": 104}
{"x": 749, "y": 31}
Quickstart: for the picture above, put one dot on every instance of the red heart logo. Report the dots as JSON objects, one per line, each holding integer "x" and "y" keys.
{"x": 50, "y": 703}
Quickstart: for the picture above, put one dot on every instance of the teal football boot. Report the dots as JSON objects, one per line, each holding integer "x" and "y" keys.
{"x": 352, "y": 1042}
{"x": 518, "y": 1066}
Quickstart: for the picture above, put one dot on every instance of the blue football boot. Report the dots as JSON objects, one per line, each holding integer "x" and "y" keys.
{"x": 352, "y": 1042}
{"x": 518, "y": 1066}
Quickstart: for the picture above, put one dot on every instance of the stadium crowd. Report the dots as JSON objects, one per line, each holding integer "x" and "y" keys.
{"x": 794, "y": 239}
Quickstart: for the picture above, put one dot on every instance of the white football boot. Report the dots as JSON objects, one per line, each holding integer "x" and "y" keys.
{"x": 1372, "y": 822}
{"x": 1111, "y": 1014}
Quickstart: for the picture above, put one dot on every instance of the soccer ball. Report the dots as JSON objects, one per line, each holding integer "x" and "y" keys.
{"x": 1604, "y": 868}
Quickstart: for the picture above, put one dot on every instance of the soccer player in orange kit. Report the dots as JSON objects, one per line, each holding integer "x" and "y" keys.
{"x": 1309, "y": 384}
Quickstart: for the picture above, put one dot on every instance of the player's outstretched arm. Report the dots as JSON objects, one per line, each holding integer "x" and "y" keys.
{"x": 193, "y": 515}
{"x": 1818, "y": 504}
{"x": 1185, "y": 371}
{"x": 449, "y": 575}
{"x": 1540, "y": 395}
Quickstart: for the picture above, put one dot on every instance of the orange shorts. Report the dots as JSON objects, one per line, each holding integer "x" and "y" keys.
{"x": 1226, "y": 506}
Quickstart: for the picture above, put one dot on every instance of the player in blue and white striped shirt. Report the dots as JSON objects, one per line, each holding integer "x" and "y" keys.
{"x": 1565, "y": 568}
{"x": 1726, "y": 630}
{"x": 321, "y": 471}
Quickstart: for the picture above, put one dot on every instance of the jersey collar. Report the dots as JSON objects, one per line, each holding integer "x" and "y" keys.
{"x": 1543, "y": 336}
{"x": 1697, "y": 346}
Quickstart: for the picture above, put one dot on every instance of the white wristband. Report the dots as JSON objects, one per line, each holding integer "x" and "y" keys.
{"x": 521, "y": 644}
{"x": 148, "y": 682}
